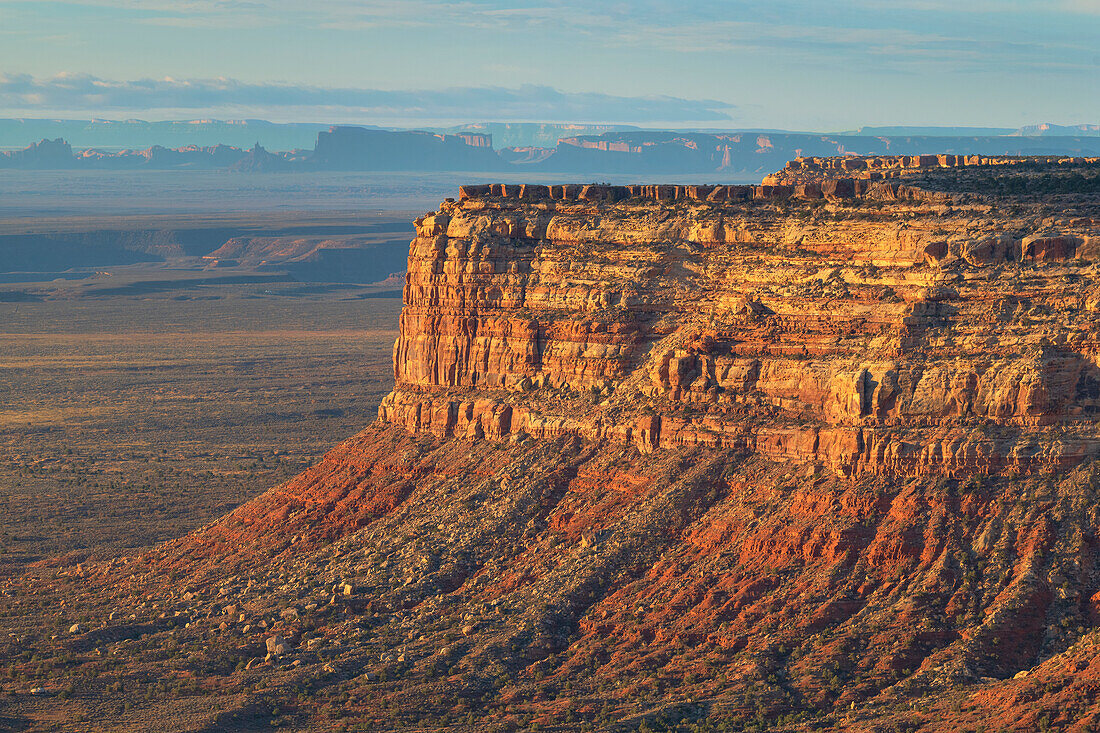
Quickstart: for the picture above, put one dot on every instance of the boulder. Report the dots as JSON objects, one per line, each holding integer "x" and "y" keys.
{"x": 1054, "y": 248}
{"x": 276, "y": 645}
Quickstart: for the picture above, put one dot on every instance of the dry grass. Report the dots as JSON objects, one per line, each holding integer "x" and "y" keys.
{"x": 126, "y": 421}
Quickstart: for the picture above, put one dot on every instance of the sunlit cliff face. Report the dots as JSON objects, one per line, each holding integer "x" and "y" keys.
{"x": 839, "y": 315}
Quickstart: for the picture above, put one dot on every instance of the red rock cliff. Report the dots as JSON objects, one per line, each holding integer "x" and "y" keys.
{"x": 838, "y": 327}
{"x": 708, "y": 458}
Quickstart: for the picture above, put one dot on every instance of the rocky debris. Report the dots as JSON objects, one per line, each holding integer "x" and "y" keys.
{"x": 276, "y": 646}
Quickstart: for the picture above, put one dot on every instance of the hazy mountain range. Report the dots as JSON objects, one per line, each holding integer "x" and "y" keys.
{"x": 497, "y": 147}
{"x": 139, "y": 134}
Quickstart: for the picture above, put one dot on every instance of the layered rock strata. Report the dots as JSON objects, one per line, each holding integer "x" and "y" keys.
{"x": 879, "y": 167}
{"x": 625, "y": 521}
{"x": 868, "y": 335}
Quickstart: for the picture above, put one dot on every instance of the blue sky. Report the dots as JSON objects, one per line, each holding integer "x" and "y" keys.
{"x": 792, "y": 64}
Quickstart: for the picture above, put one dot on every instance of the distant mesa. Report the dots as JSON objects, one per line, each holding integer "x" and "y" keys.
{"x": 358, "y": 148}
{"x": 591, "y": 150}
{"x": 140, "y": 134}
{"x": 1049, "y": 130}
{"x": 45, "y": 154}
{"x": 258, "y": 160}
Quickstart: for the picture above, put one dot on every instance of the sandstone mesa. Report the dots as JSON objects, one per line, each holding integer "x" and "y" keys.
{"x": 814, "y": 454}
{"x": 884, "y": 337}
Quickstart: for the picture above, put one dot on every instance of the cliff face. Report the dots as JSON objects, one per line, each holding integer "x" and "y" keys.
{"x": 357, "y": 148}
{"x": 805, "y": 455}
{"x": 845, "y": 329}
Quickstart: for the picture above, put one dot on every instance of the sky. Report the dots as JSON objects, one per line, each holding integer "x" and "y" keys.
{"x": 787, "y": 64}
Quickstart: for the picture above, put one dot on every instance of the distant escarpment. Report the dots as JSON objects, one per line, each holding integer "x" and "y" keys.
{"x": 354, "y": 249}
{"x": 728, "y": 156}
{"x": 815, "y": 454}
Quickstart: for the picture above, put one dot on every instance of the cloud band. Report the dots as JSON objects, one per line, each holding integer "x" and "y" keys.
{"x": 81, "y": 92}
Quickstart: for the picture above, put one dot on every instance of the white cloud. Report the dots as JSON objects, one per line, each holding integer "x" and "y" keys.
{"x": 77, "y": 92}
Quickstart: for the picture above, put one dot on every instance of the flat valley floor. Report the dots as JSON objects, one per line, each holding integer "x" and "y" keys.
{"x": 129, "y": 420}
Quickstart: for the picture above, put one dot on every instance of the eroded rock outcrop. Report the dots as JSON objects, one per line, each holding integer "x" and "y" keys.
{"x": 866, "y": 334}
